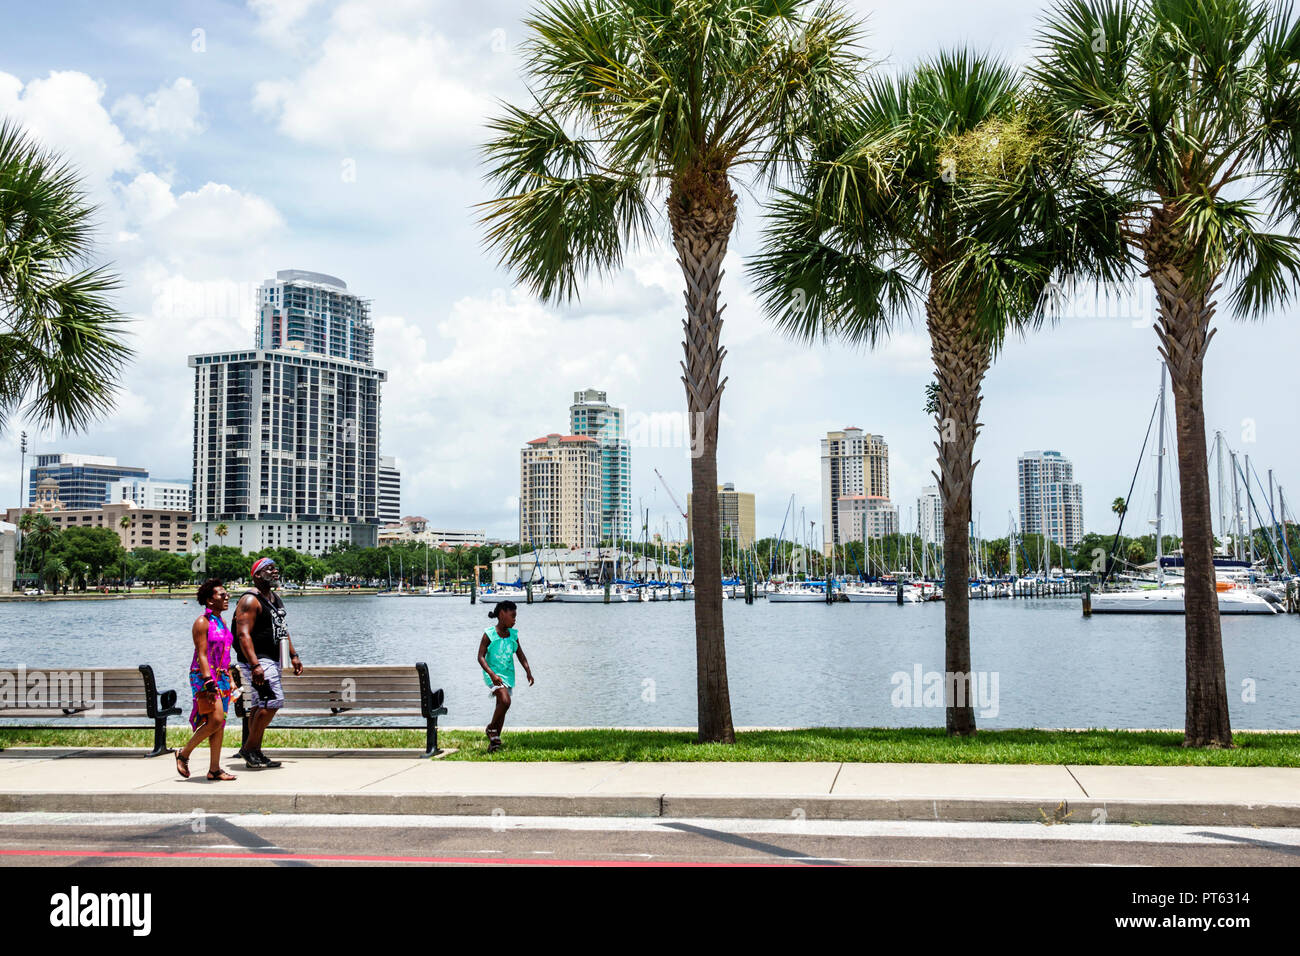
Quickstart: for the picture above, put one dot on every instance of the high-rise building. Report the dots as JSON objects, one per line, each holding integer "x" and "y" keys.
{"x": 593, "y": 416}
{"x": 854, "y": 462}
{"x": 560, "y": 491}
{"x": 314, "y": 312}
{"x": 866, "y": 516}
{"x": 83, "y": 480}
{"x": 1051, "y": 501}
{"x": 735, "y": 515}
{"x": 390, "y": 490}
{"x": 929, "y": 512}
{"x": 150, "y": 493}
{"x": 286, "y": 438}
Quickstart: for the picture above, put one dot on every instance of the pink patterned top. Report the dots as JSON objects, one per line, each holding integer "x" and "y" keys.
{"x": 220, "y": 641}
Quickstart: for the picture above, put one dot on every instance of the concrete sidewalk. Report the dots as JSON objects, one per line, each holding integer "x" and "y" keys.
{"x": 330, "y": 781}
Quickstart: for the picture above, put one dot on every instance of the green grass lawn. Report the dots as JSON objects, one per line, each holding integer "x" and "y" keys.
{"x": 874, "y": 745}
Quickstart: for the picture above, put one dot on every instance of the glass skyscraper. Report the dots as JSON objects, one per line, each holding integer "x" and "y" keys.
{"x": 83, "y": 479}
{"x": 316, "y": 313}
{"x": 592, "y": 415}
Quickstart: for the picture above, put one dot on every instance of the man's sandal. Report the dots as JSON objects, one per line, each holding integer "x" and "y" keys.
{"x": 220, "y": 775}
{"x": 182, "y": 765}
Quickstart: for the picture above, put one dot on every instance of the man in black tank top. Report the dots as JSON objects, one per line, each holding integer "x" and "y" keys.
{"x": 259, "y": 633}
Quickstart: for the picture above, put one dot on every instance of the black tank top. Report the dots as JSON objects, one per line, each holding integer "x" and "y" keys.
{"x": 268, "y": 628}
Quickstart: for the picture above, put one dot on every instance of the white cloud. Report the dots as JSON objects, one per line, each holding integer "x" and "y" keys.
{"x": 171, "y": 111}
{"x": 65, "y": 111}
{"x": 379, "y": 83}
{"x": 278, "y": 20}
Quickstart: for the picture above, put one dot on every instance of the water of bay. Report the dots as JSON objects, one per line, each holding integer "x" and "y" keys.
{"x": 632, "y": 665}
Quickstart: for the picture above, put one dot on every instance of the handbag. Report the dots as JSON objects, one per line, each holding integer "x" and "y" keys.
{"x": 206, "y": 701}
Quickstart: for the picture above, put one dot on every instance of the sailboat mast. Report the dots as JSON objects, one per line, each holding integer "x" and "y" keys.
{"x": 1223, "y": 514}
{"x": 1250, "y": 521}
{"x": 1160, "y": 481}
{"x": 1272, "y": 516}
{"x": 1237, "y": 548}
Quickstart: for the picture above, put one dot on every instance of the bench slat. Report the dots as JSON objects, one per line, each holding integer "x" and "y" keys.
{"x": 46, "y": 714}
{"x": 355, "y": 706}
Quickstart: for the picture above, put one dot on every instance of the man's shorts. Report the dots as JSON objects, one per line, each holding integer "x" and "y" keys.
{"x": 254, "y": 699}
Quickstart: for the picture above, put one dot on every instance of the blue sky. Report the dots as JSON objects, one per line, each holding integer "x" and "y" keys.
{"x": 340, "y": 137}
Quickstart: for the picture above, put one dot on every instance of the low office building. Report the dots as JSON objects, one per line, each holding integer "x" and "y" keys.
{"x": 150, "y": 493}
{"x": 415, "y": 529}
{"x": 8, "y": 556}
{"x": 559, "y": 565}
{"x": 158, "y": 528}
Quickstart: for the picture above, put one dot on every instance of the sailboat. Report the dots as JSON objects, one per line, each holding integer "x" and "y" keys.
{"x": 1163, "y": 598}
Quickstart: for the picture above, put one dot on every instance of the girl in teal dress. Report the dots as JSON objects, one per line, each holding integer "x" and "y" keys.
{"x": 496, "y": 655}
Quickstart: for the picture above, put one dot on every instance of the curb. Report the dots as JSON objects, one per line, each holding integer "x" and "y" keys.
{"x": 812, "y": 807}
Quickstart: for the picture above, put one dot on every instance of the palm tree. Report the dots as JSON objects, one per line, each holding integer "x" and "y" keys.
{"x": 221, "y": 530}
{"x": 41, "y": 535}
{"x": 25, "y": 524}
{"x": 947, "y": 190}
{"x": 1190, "y": 109}
{"x": 637, "y": 101}
{"x": 78, "y": 575}
{"x": 54, "y": 572}
{"x": 61, "y": 340}
{"x": 1119, "y": 506}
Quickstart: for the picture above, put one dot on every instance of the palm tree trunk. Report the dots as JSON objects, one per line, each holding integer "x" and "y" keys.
{"x": 961, "y": 359}
{"x": 1184, "y": 313}
{"x": 702, "y": 211}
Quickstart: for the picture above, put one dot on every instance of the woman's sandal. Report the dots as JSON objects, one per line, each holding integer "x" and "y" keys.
{"x": 494, "y": 743}
{"x": 182, "y": 765}
{"x": 220, "y": 775}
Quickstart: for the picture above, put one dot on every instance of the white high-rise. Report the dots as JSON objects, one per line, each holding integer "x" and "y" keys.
{"x": 1051, "y": 501}
{"x": 150, "y": 493}
{"x": 286, "y": 437}
{"x": 390, "y": 490}
{"x": 929, "y": 511}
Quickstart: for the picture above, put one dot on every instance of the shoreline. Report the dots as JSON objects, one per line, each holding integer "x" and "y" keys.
{"x": 178, "y": 594}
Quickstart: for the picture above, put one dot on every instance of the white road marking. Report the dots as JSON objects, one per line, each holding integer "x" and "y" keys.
{"x": 1075, "y": 832}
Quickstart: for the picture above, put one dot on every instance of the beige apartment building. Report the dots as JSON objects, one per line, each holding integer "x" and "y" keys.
{"x": 735, "y": 515}
{"x": 854, "y": 463}
{"x": 866, "y": 516}
{"x": 560, "y": 491}
{"x": 163, "y": 529}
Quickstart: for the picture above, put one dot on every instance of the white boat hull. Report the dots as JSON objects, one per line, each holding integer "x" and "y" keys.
{"x": 589, "y": 597}
{"x": 881, "y": 596}
{"x": 797, "y": 597}
{"x": 1170, "y": 601}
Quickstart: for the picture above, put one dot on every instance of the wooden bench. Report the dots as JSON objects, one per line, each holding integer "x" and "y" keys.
{"x": 46, "y": 695}
{"x": 361, "y": 691}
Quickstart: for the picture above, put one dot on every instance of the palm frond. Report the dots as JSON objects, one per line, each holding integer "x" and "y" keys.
{"x": 62, "y": 342}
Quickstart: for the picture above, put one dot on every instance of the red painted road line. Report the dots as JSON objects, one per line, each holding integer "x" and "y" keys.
{"x": 348, "y": 858}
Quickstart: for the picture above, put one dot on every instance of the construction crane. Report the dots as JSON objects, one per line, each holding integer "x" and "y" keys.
{"x": 676, "y": 503}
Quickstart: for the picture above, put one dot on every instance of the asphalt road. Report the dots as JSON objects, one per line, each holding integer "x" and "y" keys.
{"x": 64, "y": 839}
